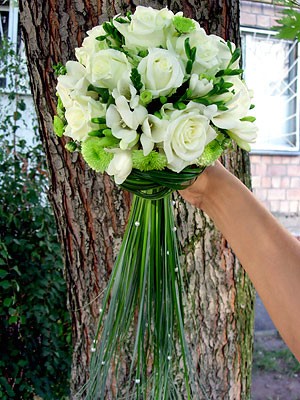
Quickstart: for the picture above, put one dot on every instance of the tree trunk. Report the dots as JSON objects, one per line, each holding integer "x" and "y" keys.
{"x": 91, "y": 211}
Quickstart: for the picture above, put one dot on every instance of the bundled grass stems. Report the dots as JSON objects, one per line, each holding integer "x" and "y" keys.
{"x": 144, "y": 299}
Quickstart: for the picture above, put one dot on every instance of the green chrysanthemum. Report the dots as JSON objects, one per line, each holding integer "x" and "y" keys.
{"x": 183, "y": 25}
{"x": 94, "y": 153}
{"x": 211, "y": 153}
{"x": 153, "y": 161}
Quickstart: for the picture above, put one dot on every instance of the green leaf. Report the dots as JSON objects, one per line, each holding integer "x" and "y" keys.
{"x": 289, "y": 25}
{"x": 13, "y": 319}
{"x": 71, "y": 146}
{"x": 7, "y": 302}
{"x": 101, "y": 38}
{"x": 136, "y": 79}
{"x": 122, "y": 20}
{"x": 58, "y": 126}
{"x": 15, "y": 268}
{"x": 5, "y": 284}
{"x": 235, "y": 56}
{"x": 229, "y": 72}
{"x": 3, "y": 273}
{"x": 103, "y": 92}
{"x": 59, "y": 69}
{"x": 17, "y": 115}
{"x": 22, "y": 105}
{"x": 187, "y": 48}
{"x": 248, "y": 118}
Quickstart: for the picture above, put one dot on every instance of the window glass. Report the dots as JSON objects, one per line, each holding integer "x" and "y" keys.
{"x": 271, "y": 71}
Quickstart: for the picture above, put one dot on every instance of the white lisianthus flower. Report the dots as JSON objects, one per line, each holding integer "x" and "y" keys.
{"x": 72, "y": 83}
{"x": 79, "y": 116}
{"x": 120, "y": 166}
{"x": 200, "y": 87}
{"x": 188, "y": 132}
{"x": 161, "y": 72}
{"x": 91, "y": 45}
{"x": 238, "y": 104}
{"x": 107, "y": 67}
{"x": 124, "y": 122}
{"x": 153, "y": 129}
{"x": 243, "y": 133}
{"x": 126, "y": 89}
{"x": 146, "y": 28}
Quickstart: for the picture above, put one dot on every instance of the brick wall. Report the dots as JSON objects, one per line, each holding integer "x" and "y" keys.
{"x": 276, "y": 182}
{"x": 258, "y": 14}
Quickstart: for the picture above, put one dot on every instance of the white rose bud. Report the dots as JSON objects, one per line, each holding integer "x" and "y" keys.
{"x": 161, "y": 72}
{"x": 243, "y": 133}
{"x": 120, "y": 166}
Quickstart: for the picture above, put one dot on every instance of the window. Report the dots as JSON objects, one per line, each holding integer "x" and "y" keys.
{"x": 271, "y": 71}
{"x": 9, "y": 29}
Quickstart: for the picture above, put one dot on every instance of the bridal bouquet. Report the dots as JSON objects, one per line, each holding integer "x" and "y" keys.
{"x": 151, "y": 100}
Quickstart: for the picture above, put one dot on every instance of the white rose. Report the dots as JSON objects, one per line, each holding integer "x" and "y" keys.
{"x": 187, "y": 135}
{"x": 120, "y": 166}
{"x": 71, "y": 84}
{"x": 79, "y": 117}
{"x": 206, "y": 54}
{"x": 107, "y": 67}
{"x": 146, "y": 28}
{"x": 91, "y": 45}
{"x": 161, "y": 72}
{"x": 243, "y": 133}
{"x": 238, "y": 104}
{"x": 212, "y": 53}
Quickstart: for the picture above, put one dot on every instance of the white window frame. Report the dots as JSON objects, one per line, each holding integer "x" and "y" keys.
{"x": 13, "y": 20}
{"x": 276, "y": 149}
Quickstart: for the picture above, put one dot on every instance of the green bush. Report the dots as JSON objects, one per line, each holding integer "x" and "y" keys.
{"x": 35, "y": 330}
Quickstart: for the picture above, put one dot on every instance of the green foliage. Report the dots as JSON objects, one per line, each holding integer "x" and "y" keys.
{"x": 34, "y": 323}
{"x": 289, "y": 25}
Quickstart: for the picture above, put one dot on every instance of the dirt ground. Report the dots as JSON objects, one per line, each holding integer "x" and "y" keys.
{"x": 276, "y": 373}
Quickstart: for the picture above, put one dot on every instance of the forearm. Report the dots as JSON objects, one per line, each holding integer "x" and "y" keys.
{"x": 267, "y": 252}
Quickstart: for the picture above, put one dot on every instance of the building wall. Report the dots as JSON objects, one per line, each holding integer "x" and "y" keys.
{"x": 276, "y": 182}
{"x": 275, "y": 177}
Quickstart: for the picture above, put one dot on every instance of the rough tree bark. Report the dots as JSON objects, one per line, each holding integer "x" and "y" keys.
{"x": 91, "y": 212}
